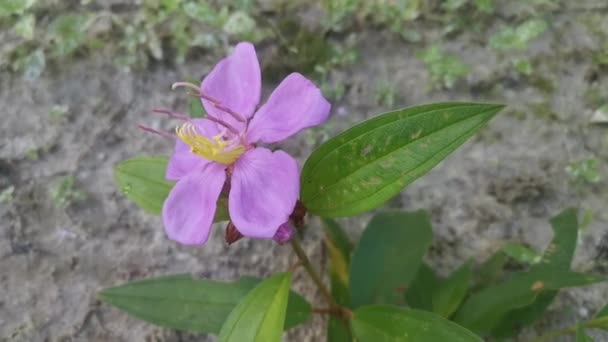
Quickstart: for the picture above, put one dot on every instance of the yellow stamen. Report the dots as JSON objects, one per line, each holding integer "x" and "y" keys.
{"x": 217, "y": 149}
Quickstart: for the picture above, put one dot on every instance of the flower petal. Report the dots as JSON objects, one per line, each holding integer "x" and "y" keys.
{"x": 236, "y": 82}
{"x": 182, "y": 161}
{"x": 189, "y": 210}
{"x": 264, "y": 189}
{"x": 294, "y": 105}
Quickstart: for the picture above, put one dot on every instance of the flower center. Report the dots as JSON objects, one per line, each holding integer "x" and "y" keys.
{"x": 219, "y": 150}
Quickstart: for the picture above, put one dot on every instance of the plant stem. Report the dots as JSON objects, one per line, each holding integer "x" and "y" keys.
{"x": 297, "y": 248}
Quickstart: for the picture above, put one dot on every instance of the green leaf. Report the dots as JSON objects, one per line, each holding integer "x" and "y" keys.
{"x": 581, "y": 336}
{"x": 521, "y": 253}
{"x": 388, "y": 256}
{"x": 361, "y": 168}
{"x": 142, "y": 180}
{"x": 380, "y": 323}
{"x": 603, "y": 312}
{"x": 340, "y": 249}
{"x": 196, "y": 305}
{"x": 261, "y": 314}
{"x": 69, "y": 32}
{"x": 419, "y": 295}
{"x": 558, "y": 256}
{"x": 482, "y": 311}
{"x": 452, "y": 291}
{"x": 14, "y": 7}
{"x": 560, "y": 251}
{"x": 196, "y": 108}
{"x": 490, "y": 271}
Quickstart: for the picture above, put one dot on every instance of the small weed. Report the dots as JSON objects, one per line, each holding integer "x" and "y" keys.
{"x": 32, "y": 154}
{"x": 518, "y": 38}
{"x": 586, "y": 170}
{"x": 445, "y": 70}
{"x": 58, "y": 112}
{"x": 385, "y": 94}
{"x": 64, "y": 192}
{"x": 6, "y": 195}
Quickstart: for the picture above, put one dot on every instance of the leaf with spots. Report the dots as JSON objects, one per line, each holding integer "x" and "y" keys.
{"x": 482, "y": 311}
{"x": 557, "y": 256}
{"x": 363, "y": 167}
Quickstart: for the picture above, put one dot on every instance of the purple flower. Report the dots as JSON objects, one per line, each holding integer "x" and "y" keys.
{"x": 219, "y": 153}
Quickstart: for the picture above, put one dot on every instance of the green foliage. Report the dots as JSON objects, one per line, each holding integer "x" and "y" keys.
{"x": 340, "y": 249}
{"x": 518, "y": 38}
{"x": 419, "y": 294}
{"x": 585, "y": 171}
{"x": 68, "y": 33}
{"x": 521, "y": 253}
{"x": 388, "y": 256}
{"x": 14, "y": 7}
{"x": 6, "y": 195}
{"x": 581, "y": 336}
{"x": 361, "y": 168}
{"x": 64, "y": 192}
{"x": 259, "y": 316}
{"x": 445, "y": 70}
{"x": 447, "y": 298}
{"x": 503, "y": 308}
{"x": 142, "y": 180}
{"x": 197, "y": 305}
{"x": 392, "y": 324}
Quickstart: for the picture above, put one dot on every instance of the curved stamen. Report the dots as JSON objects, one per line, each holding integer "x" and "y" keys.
{"x": 206, "y": 97}
{"x": 157, "y": 132}
{"x": 227, "y": 110}
{"x": 185, "y": 85}
{"x": 224, "y": 124}
{"x": 171, "y": 114}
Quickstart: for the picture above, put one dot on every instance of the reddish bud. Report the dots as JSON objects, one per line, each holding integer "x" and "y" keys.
{"x": 232, "y": 234}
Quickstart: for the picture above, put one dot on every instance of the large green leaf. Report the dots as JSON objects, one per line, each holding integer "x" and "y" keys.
{"x": 340, "y": 249}
{"x": 142, "y": 180}
{"x": 482, "y": 311}
{"x": 452, "y": 291}
{"x": 260, "y": 315}
{"x": 361, "y": 168}
{"x": 379, "y": 323}
{"x": 196, "y": 305}
{"x": 388, "y": 256}
{"x": 558, "y": 256}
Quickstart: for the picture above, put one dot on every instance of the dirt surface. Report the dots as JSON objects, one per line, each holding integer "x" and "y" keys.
{"x": 503, "y": 185}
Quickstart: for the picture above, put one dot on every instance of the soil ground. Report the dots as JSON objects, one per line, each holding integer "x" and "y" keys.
{"x": 503, "y": 185}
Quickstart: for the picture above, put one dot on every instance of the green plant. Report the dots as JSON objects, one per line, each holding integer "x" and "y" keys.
{"x": 445, "y": 70}
{"x": 64, "y": 192}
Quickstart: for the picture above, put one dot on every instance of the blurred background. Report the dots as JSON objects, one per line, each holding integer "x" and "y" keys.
{"x": 76, "y": 77}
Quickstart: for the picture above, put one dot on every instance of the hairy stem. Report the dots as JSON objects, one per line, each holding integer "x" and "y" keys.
{"x": 297, "y": 248}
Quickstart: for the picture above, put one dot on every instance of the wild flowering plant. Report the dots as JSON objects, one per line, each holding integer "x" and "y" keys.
{"x": 380, "y": 290}
{"x": 218, "y": 154}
